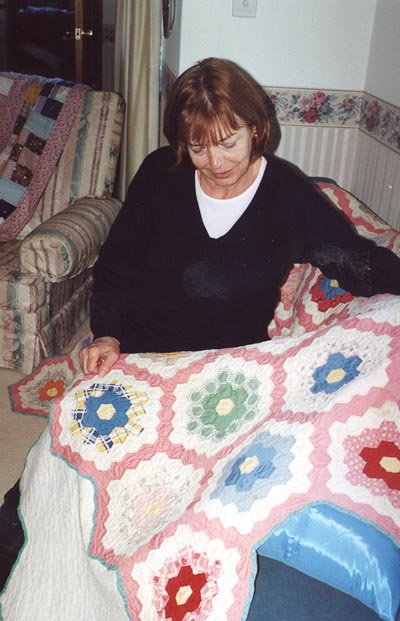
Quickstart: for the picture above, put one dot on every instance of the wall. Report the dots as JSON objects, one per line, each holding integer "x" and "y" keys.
{"x": 289, "y": 43}
{"x": 384, "y": 58}
{"x": 171, "y": 47}
{"x": 376, "y": 177}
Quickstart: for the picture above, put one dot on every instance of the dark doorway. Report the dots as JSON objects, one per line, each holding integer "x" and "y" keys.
{"x": 61, "y": 38}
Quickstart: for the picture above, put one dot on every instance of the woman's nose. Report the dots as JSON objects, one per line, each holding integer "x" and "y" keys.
{"x": 214, "y": 156}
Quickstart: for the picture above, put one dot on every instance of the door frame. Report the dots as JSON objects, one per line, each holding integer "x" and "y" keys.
{"x": 89, "y": 42}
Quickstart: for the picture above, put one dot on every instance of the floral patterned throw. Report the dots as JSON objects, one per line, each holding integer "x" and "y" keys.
{"x": 197, "y": 457}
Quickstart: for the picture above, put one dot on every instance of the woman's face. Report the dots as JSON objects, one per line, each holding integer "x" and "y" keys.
{"x": 225, "y": 168}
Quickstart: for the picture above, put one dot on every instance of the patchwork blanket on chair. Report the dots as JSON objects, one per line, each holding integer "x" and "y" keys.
{"x": 38, "y": 116}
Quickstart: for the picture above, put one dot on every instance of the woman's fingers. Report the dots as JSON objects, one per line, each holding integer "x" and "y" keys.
{"x": 100, "y": 356}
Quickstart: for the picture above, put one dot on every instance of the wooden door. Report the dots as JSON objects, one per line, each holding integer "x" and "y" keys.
{"x": 88, "y": 42}
{"x": 60, "y": 38}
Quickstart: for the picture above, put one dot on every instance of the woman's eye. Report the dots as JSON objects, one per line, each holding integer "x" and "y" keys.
{"x": 197, "y": 150}
{"x": 230, "y": 144}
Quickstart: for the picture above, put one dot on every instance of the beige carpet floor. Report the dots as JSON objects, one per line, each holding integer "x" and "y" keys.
{"x": 18, "y": 432}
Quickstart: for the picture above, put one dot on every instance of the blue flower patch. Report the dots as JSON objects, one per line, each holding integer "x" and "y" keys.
{"x": 331, "y": 288}
{"x": 257, "y": 469}
{"x": 256, "y": 463}
{"x": 335, "y": 373}
{"x": 107, "y": 414}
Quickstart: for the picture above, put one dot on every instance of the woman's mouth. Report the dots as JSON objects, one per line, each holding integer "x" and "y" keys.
{"x": 222, "y": 175}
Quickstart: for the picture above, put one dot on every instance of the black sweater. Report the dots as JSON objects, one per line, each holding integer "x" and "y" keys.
{"x": 162, "y": 284}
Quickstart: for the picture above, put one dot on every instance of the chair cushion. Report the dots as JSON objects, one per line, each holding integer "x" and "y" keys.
{"x": 68, "y": 243}
{"x": 64, "y": 322}
{"x": 19, "y": 293}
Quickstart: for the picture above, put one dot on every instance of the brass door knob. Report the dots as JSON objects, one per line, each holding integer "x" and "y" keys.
{"x": 78, "y": 33}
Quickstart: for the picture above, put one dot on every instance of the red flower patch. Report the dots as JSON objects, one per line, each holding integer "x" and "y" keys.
{"x": 327, "y": 293}
{"x": 51, "y": 390}
{"x": 383, "y": 462}
{"x": 184, "y": 593}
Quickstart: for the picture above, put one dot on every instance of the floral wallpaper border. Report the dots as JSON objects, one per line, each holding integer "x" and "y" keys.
{"x": 358, "y": 110}
{"x": 316, "y": 107}
{"x": 338, "y": 109}
{"x": 381, "y": 120}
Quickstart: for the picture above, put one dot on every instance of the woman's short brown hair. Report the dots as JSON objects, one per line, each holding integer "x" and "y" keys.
{"x": 214, "y": 95}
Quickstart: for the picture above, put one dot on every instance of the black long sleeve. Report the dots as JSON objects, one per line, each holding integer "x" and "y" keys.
{"x": 162, "y": 284}
{"x": 332, "y": 244}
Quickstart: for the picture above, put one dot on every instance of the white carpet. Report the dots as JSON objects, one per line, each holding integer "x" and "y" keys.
{"x": 18, "y": 432}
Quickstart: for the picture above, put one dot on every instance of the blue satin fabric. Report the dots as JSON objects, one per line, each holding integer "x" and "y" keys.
{"x": 345, "y": 552}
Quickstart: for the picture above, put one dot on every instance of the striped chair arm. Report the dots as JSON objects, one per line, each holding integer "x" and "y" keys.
{"x": 69, "y": 242}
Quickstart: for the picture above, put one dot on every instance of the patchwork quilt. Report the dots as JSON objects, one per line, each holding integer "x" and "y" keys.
{"x": 181, "y": 466}
{"x": 38, "y": 116}
{"x": 154, "y": 488}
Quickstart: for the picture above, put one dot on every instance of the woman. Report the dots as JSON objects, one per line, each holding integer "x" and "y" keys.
{"x": 210, "y": 228}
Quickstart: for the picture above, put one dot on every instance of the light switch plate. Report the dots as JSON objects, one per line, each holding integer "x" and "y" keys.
{"x": 244, "y": 8}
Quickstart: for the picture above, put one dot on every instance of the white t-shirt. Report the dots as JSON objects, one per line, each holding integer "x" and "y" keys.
{"x": 220, "y": 214}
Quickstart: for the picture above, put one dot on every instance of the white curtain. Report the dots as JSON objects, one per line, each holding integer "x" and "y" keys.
{"x": 137, "y": 78}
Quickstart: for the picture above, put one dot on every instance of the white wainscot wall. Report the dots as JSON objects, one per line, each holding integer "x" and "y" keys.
{"x": 321, "y": 151}
{"x": 353, "y": 158}
{"x": 376, "y": 178}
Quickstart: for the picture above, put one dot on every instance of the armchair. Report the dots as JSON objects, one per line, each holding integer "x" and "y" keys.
{"x": 45, "y": 268}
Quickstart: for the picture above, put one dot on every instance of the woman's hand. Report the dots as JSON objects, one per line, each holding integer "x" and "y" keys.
{"x": 100, "y": 356}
